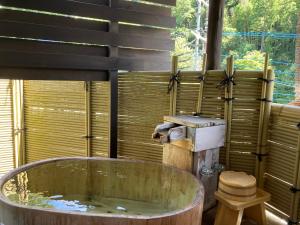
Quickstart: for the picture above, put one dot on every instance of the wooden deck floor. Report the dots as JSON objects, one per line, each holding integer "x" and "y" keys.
{"x": 208, "y": 219}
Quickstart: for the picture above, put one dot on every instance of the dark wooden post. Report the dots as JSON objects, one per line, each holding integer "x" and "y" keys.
{"x": 113, "y": 78}
{"x": 214, "y": 35}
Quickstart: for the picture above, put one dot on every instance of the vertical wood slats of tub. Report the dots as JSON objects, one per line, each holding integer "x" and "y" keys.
{"x": 6, "y": 127}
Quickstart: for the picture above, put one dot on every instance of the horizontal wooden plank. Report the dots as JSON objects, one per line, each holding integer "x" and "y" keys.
{"x": 55, "y": 61}
{"x": 137, "y": 64}
{"x": 94, "y": 2}
{"x": 46, "y": 19}
{"x": 145, "y": 8}
{"x": 144, "y": 31}
{"x": 33, "y": 31}
{"x": 49, "y": 47}
{"x": 163, "y": 2}
{"x": 93, "y": 11}
{"x": 45, "y": 74}
{"x": 150, "y": 55}
{"x": 33, "y": 60}
{"x": 145, "y": 60}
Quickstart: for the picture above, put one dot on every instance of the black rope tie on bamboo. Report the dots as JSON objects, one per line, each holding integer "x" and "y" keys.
{"x": 294, "y": 190}
{"x": 227, "y": 81}
{"x": 228, "y": 99}
{"x": 291, "y": 222}
{"x": 260, "y": 155}
{"x": 201, "y": 78}
{"x": 298, "y": 125}
{"x": 174, "y": 79}
{"x": 88, "y": 137}
{"x": 264, "y": 100}
{"x": 265, "y": 80}
{"x": 19, "y": 130}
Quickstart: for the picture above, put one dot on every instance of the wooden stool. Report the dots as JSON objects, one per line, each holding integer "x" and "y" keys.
{"x": 231, "y": 212}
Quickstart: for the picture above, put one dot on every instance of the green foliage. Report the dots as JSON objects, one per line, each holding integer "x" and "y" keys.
{"x": 266, "y": 16}
{"x": 276, "y": 16}
{"x": 253, "y": 60}
{"x": 184, "y": 52}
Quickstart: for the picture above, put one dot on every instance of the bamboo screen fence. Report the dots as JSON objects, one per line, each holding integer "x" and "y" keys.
{"x": 6, "y": 127}
{"x": 72, "y": 118}
{"x": 282, "y": 171}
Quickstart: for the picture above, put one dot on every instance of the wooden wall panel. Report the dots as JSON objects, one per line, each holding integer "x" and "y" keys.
{"x": 77, "y": 35}
{"x": 165, "y": 2}
{"x": 145, "y": 8}
{"x": 48, "y": 19}
{"x": 92, "y": 37}
{"x": 102, "y": 12}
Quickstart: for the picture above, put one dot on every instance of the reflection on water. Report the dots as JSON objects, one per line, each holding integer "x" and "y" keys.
{"x": 98, "y": 187}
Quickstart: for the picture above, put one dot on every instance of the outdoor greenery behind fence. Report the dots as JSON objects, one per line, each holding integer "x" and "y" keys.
{"x": 250, "y": 28}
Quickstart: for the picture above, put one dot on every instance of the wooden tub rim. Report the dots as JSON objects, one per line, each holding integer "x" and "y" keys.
{"x": 197, "y": 200}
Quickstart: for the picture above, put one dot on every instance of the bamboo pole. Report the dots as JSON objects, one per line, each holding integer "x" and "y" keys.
{"x": 88, "y": 122}
{"x": 19, "y": 128}
{"x": 228, "y": 109}
{"x": 265, "y": 126}
{"x": 261, "y": 119}
{"x": 201, "y": 86}
{"x": 173, "y": 93}
{"x": 296, "y": 184}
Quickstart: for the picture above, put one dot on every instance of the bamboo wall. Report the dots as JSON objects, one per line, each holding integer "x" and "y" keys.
{"x": 243, "y": 115}
{"x": 143, "y": 101}
{"x": 7, "y": 159}
{"x": 72, "y": 119}
{"x": 54, "y": 115}
{"x": 282, "y": 170}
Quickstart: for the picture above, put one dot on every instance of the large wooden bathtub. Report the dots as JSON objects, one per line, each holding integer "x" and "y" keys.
{"x": 96, "y": 191}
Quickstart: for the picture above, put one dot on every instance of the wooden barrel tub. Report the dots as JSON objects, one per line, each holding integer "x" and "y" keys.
{"x": 97, "y": 191}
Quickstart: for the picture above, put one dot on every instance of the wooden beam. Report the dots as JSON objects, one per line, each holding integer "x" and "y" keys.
{"x": 64, "y": 34}
{"x": 214, "y": 36}
{"x": 102, "y": 12}
{"x": 52, "y": 74}
{"x": 114, "y": 86}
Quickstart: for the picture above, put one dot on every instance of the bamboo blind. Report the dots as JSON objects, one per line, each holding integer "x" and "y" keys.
{"x": 213, "y": 97}
{"x": 143, "y": 101}
{"x": 54, "y": 119}
{"x": 6, "y": 127}
{"x": 283, "y": 160}
{"x": 246, "y": 108}
{"x": 187, "y": 93}
{"x": 100, "y": 101}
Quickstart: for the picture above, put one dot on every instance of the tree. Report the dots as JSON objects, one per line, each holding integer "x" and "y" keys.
{"x": 259, "y": 25}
